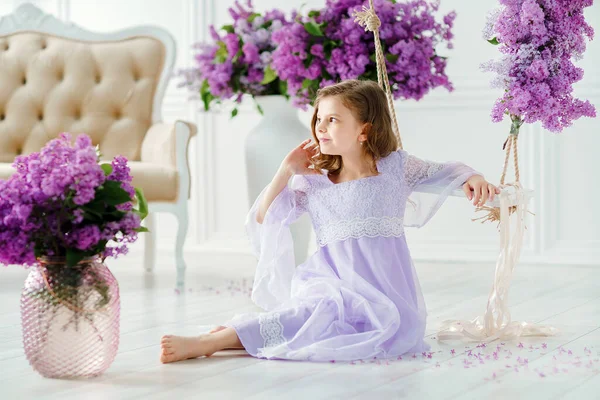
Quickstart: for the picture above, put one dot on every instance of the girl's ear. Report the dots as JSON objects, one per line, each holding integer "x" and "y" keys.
{"x": 366, "y": 127}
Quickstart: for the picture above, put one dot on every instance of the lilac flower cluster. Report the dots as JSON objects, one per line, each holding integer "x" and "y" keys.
{"x": 238, "y": 62}
{"x": 61, "y": 200}
{"x": 121, "y": 173}
{"x": 327, "y": 46}
{"x": 538, "y": 39}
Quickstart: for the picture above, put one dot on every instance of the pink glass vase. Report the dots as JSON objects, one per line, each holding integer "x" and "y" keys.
{"x": 70, "y": 318}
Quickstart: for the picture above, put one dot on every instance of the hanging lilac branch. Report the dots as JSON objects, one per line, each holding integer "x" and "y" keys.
{"x": 538, "y": 40}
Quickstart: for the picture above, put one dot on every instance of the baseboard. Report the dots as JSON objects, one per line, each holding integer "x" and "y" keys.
{"x": 237, "y": 253}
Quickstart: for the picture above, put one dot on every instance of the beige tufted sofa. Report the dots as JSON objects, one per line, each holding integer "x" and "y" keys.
{"x": 61, "y": 78}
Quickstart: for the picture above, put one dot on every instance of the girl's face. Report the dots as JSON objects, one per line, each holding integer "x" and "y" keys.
{"x": 338, "y": 132}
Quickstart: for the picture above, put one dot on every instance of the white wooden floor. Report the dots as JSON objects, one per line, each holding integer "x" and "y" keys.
{"x": 565, "y": 366}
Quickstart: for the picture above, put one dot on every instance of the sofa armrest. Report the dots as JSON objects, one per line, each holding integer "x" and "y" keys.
{"x": 167, "y": 144}
{"x": 162, "y": 140}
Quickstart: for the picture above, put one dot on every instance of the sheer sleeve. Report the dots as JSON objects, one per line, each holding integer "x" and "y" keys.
{"x": 428, "y": 184}
{"x": 272, "y": 243}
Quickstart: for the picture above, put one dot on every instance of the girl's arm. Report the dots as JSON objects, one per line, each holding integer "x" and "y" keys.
{"x": 267, "y": 225}
{"x": 444, "y": 177}
{"x": 476, "y": 188}
{"x": 279, "y": 182}
{"x": 296, "y": 162}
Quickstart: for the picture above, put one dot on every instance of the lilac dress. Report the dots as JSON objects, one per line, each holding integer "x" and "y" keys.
{"x": 358, "y": 295}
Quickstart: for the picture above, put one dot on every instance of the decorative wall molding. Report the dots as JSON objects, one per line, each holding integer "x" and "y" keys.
{"x": 540, "y": 157}
{"x": 205, "y": 187}
{"x": 64, "y": 10}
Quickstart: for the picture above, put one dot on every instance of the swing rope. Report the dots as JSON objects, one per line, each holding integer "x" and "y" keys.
{"x": 496, "y": 322}
{"x": 371, "y": 22}
{"x": 493, "y": 213}
{"x": 511, "y": 142}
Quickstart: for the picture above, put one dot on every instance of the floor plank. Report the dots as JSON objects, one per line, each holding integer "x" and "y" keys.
{"x": 533, "y": 368}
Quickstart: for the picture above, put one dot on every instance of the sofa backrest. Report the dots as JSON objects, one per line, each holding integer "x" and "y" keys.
{"x": 60, "y": 78}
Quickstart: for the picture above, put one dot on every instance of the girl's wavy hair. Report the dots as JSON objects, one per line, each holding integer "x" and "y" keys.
{"x": 368, "y": 104}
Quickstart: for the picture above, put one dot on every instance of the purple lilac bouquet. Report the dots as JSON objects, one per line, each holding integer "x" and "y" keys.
{"x": 328, "y": 46}
{"x": 62, "y": 202}
{"x": 238, "y": 62}
{"x": 538, "y": 39}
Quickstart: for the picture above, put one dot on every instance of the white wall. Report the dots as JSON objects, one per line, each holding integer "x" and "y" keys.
{"x": 563, "y": 169}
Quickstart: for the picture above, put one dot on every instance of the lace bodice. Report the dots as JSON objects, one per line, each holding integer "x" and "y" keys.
{"x": 371, "y": 206}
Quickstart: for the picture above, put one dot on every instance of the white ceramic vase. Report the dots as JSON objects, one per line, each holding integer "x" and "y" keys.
{"x": 267, "y": 144}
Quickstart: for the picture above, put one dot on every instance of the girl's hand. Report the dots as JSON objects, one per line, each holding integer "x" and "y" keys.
{"x": 482, "y": 190}
{"x": 298, "y": 160}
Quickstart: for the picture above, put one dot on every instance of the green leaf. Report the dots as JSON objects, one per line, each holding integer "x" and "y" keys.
{"x": 142, "y": 203}
{"x": 306, "y": 83}
{"x": 391, "y": 57}
{"x": 308, "y": 60}
{"x": 94, "y": 211}
{"x": 270, "y": 76}
{"x": 38, "y": 252}
{"x": 228, "y": 28}
{"x": 328, "y": 46}
{"x": 494, "y": 41}
{"x": 69, "y": 199}
{"x": 313, "y": 28}
{"x": 141, "y": 229}
{"x": 207, "y": 100}
{"x": 234, "y": 112}
{"x": 221, "y": 54}
{"x": 100, "y": 247}
{"x": 116, "y": 215}
{"x": 91, "y": 215}
{"x": 237, "y": 55}
{"x": 113, "y": 194}
{"x": 74, "y": 256}
{"x": 252, "y": 17}
{"x": 373, "y": 58}
{"x": 314, "y": 14}
{"x": 96, "y": 205}
{"x": 204, "y": 88}
{"x": 206, "y": 95}
{"x": 369, "y": 75}
{"x": 107, "y": 168}
{"x": 259, "y": 108}
{"x": 235, "y": 81}
{"x": 283, "y": 87}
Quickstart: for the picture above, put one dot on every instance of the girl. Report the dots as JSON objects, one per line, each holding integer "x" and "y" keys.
{"x": 358, "y": 295}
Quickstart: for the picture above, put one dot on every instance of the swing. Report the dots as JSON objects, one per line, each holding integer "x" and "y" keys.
{"x": 513, "y": 199}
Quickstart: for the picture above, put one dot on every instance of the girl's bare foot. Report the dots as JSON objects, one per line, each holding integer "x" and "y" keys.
{"x": 177, "y": 348}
